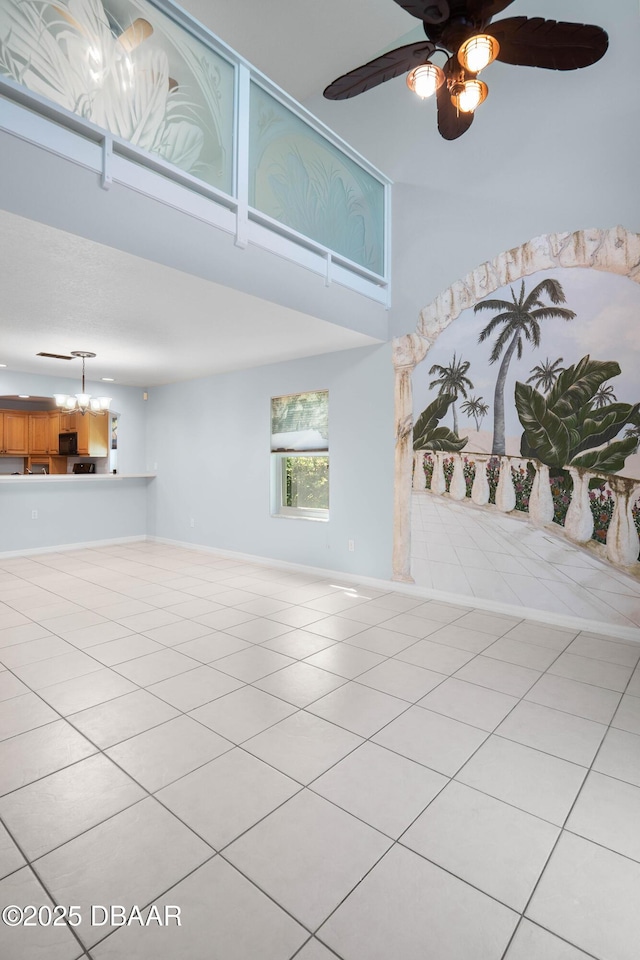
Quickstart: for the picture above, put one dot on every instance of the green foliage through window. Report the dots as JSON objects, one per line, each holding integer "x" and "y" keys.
{"x": 306, "y": 482}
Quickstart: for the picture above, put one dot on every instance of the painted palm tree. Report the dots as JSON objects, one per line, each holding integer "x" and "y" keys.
{"x": 476, "y": 408}
{"x": 634, "y": 432}
{"x": 519, "y": 320}
{"x": 544, "y": 375}
{"x": 452, "y": 379}
{"x": 604, "y": 396}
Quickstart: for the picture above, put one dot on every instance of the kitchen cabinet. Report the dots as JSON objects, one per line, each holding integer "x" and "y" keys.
{"x": 93, "y": 435}
{"x": 39, "y": 434}
{"x": 54, "y": 432}
{"x": 35, "y": 433}
{"x": 14, "y": 433}
{"x": 36, "y": 465}
{"x": 69, "y": 422}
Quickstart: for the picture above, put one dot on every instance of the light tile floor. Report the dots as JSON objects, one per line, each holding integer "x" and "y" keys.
{"x": 307, "y": 769}
{"x": 482, "y": 554}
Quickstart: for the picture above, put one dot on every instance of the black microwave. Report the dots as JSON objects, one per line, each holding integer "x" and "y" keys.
{"x": 68, "y": 444}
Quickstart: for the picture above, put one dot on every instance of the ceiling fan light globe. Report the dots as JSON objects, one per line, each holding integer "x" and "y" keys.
{"x": 478, "y": 52}
{"x": 83, "y": 400}
{"x": 470, "y": 95}
{"x": 104, "y": 403}
{"x": 425, "y": 80}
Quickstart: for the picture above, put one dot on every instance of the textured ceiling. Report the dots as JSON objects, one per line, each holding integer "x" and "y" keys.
{"x": 131, "y": 313}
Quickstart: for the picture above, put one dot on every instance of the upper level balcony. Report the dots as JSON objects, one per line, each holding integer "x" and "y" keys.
{"x": 142, "y": 95}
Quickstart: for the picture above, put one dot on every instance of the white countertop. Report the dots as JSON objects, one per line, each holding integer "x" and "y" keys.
{"x": 72, "y": 477}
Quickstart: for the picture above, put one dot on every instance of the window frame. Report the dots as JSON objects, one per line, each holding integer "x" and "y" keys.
{"x": 278, "y": 488}
{"x": 279, "y": 457}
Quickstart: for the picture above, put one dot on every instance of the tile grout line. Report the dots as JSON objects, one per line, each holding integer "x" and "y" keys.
{"x": 563, "y": 827}
{"x": 409, "y": 704}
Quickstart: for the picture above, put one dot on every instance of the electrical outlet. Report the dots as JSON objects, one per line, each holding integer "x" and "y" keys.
{"x": 352, "y": 546}
{"x": 34, "y": 514}
{"x": 192, "y": 522}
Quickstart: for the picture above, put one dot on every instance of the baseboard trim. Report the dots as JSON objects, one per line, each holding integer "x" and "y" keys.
{"x": 613, "y": 630}
{"x": 62, "y": 547}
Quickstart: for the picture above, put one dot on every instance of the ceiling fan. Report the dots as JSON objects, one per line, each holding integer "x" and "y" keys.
{"x": 462, "y": 30}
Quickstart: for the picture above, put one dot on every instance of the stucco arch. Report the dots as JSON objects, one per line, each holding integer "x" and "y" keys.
{"x": 613, "y": 251}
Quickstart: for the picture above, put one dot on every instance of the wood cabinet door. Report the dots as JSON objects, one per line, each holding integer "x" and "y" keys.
{"x": 1, "y": 432}
{"x": 83, "y": 427}
{"x": 54, "y": 432}
{"x": 69, "y": 422}
{"x": 38, "y": 434}
{"x": 16, "y": 436}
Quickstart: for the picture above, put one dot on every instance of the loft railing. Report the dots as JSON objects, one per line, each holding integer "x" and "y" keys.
{"x": 141, "y": 81}
{"x": 603, "y": 507}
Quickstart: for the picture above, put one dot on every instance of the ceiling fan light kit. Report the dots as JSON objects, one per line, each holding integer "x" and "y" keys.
{"x": 478, "y": 52}
{"x": 463, "y": 32}
{"x": 425, "y": 79}
{"x": 468, "y": 95}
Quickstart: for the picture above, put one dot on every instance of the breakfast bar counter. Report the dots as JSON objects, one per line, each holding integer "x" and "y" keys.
{"x": 74, "y": 477}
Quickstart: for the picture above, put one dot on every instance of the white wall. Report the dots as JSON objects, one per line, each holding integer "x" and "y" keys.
{"x": 210, "y": 440}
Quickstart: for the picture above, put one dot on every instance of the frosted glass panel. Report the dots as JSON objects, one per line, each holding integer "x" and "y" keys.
{"x": 130, "y": 69}
{"x": 305, "y": 182}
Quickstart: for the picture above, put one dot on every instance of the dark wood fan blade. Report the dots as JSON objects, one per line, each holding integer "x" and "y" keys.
{"x": 451, "y": 124}
{"x": 389, "y": 65}
{"x": 552, "y": 44}
{"x": 429, "y": 11}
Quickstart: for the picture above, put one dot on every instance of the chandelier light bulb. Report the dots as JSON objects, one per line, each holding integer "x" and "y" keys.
{"x": 425, "y": 80}
{"x": 478, "y": 52}
{"x": 470, "y": 96}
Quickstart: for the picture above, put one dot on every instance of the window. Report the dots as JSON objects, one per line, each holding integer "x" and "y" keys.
{"x": 300, "y": 455}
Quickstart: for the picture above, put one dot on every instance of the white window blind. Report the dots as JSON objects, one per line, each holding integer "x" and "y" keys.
{"x": 300, "y": 422}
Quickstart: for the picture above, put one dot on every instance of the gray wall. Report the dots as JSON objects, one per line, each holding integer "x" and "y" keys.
{"x": 74, "y": 511}
{"x": 210, "y": 438}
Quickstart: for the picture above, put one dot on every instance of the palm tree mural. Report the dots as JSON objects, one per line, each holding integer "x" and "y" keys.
{"x": 476, "y": 408}
{"x": 519, "y": 319}
{"x": 544, "y": 375}
{"x": 604, "y": 396}
{"x": 452, "y": 379}
{"x": 635, "y": 433}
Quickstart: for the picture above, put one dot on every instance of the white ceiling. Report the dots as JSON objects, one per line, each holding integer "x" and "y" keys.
{"x": 301, "y": 44}
{"x": 61, "y": 292}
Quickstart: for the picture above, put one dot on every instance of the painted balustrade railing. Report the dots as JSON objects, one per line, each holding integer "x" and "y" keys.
{"x": 622, "y": 543}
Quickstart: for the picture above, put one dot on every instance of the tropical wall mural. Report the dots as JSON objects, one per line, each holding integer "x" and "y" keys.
{"x": 546, "y": 373}
{"x": 303, "y": 181}
{"x": 127, "y": 67}
{"x": 547, "y": 369}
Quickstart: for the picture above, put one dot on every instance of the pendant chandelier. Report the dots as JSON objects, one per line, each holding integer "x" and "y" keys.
{"x": 82, "y": 402}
